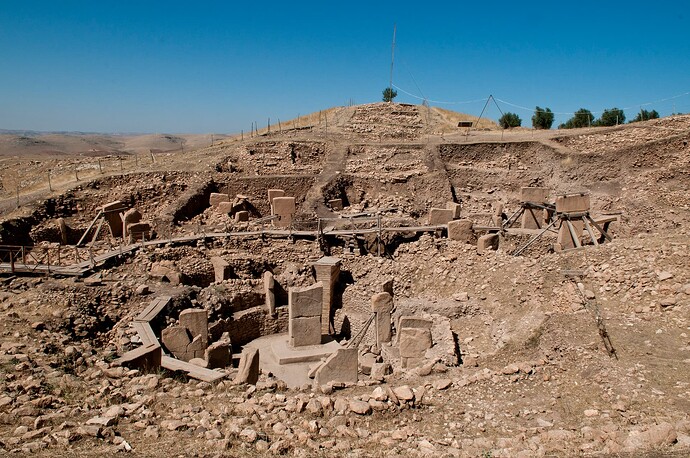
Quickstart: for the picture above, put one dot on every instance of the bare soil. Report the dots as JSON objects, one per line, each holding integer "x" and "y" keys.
{"x": 534, "y": 378}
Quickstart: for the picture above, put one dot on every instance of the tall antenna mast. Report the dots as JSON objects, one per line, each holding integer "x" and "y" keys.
{"x": 390, "y": 83}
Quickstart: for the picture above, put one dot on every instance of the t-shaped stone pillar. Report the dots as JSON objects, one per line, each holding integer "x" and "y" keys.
{"x": 327, "y": 272}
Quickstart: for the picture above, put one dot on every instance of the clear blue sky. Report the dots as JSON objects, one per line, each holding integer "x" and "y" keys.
{"x": 144, "y": 66}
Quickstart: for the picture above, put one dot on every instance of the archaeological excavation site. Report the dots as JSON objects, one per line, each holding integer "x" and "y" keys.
{"x": 372, "y": 280}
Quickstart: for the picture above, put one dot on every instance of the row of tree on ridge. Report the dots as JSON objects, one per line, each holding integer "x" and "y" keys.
{"x": 543, "y": 118}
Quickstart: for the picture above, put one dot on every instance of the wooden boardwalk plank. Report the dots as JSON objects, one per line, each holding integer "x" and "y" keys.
{"x": 199, "y": 373}
{"x": 153, "y": 309}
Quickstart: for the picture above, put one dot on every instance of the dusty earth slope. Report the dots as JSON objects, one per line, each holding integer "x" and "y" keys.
{"x": 534, "y": 377}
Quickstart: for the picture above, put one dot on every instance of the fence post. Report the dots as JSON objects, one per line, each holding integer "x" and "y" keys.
{"x": 100, "y": 167}
{"x": 50, "y": 185}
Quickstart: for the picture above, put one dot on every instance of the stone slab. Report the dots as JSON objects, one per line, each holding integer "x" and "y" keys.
{"x": 196, "y": 321}
{"x": 144, "y": 357}
{"x": 534, "y": 195}
{"x": 565, "y": 239}
{"x": 438, "y": 216}
{"x": 455, "y": 208}
{"x": 176, "y": 339}
{"x": 572, "y": 204}
{"x": 305, "y": 331}
{"x": 461, "y": 230}
{"x": 414, "y": 322}
{"x": 414, "y": 342}
{"x": 382, "y": 303}
{"x": 224, "y": 207}
{"x": 249, "y": 367}
{"x": 218, "y": 355}
{"x": 215, "y": 198}
{"x": 242, "y": 216}
{"x": 272, "y": 194}
{"x": 336, "y": 204}
{"x": 285, "y": 354}
{"x": 340, "y": 367}
{"x": 305, "y": 301}
{"x": 221, "y": 269}
{"x": 487, "y": 242}
{"x": 269, "y": 290}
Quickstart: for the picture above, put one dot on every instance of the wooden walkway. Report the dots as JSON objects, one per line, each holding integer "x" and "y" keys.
{"x": 83, "y": 267}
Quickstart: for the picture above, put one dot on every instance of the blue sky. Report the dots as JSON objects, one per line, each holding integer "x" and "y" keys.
{"x": 199, "y": 67}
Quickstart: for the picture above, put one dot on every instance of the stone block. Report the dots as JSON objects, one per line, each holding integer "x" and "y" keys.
{"x": 382, "y": 302}
{"x": 145, "y": 357}
{"x": 461, "y": 230}
{"x": 195, "y": 349}
{"x": 340, "y": 367}
{"x": 565, "y": 239}
{"x": 215, "y": 198}
{"x": 487, "y": 242}
{"x": 438, "y": 216}
{"x": 176, "y": 339}
{"x": 572, "y": 204}
{"x": 112, "y": 212}
{"x": 139, "y": 231}
{"x": 387, "y": 286}
{"x": 305, "y": 301}
{"x": 248, "y": 370}
{"x": 131, "y": 216}
{"x": 221, "y": 269}
{"x": 269, "y": 290}
{"x": 411, "y": 363}
{"x": 242, "y": 216}
{"x": 272, "y": 194}
{"x": 327, "y": 271}
{"x": 383, "y": 327}
{"x": 414, "y": 342}
{"x": 224, "y": 208}
{"x": 218, "y": 354}
{"x": 336, "y": 204}
{"x": 414, "y": 322}
{"x": 380, "y": 370}
{"x": 196, "y": 321}
{"x": 455, "y": 208}
{"x": 305, "y": 331}
{"x": 534, "y": 195}
{"x": 284, "y": 207}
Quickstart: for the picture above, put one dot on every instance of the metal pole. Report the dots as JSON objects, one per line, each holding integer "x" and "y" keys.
{"x": 390, "y": 82}
{"x": 50, "y": 185}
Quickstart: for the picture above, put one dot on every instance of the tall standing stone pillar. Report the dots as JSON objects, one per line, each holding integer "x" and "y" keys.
{"x": 327, "y": 272}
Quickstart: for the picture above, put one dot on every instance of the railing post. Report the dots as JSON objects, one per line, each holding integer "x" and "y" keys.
{"x": 23, "y": 256}
{"x": 11, "y": 261}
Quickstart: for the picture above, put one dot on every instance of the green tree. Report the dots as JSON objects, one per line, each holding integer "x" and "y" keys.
{"x": 389, "y": 94}
{"x": 542, "y": 119}
{"x": 644, "y": 115}
{"x": 611, "y": 117}
{"x": 582, "y": 118}
{"x": 509, "y": 120}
